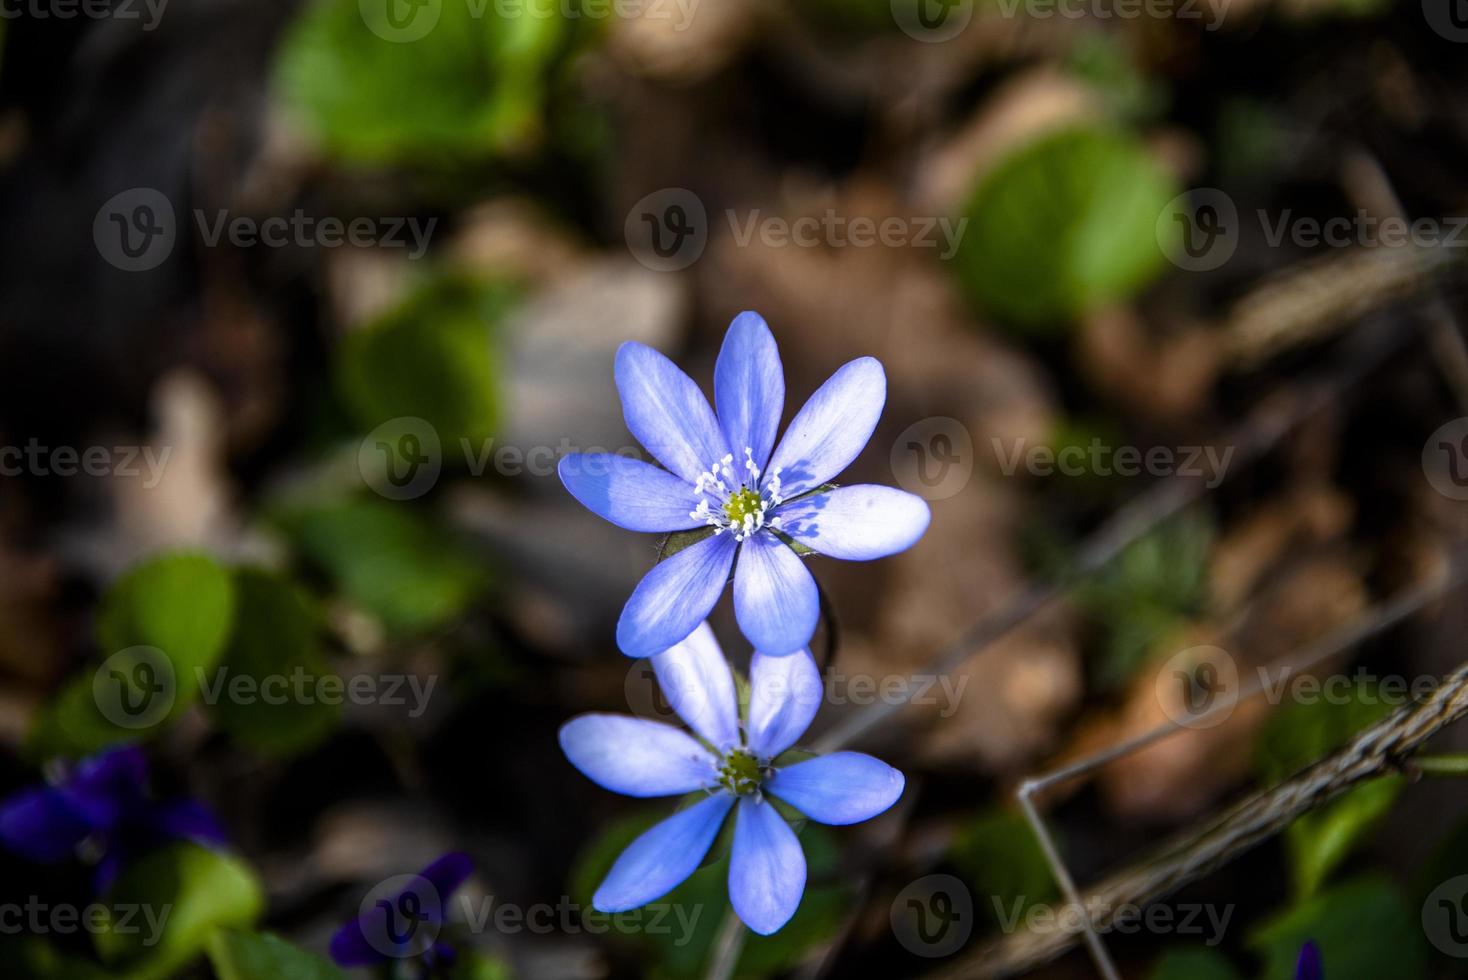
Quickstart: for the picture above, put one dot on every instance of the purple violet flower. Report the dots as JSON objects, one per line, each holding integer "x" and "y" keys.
{"x": 103, "y": 802}
{"x": 734, "y": 767}
{"x": 1309, "y": 966}
{"x": 726, "y": 472}
{"x": 405, "y": 923}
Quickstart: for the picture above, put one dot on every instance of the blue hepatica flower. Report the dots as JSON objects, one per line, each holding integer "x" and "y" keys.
{"x": 731, "y": 767}
{"x": 405, "y": 923}
{"x": 1308, "y": 966}
{"x": 726, "y": 472}
{"x": 102, "y": 805}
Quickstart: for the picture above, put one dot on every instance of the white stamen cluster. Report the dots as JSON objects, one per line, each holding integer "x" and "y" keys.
{"x": 738, "y": 506}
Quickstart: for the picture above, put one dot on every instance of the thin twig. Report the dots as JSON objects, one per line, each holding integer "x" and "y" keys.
{"x": 1454, "y": 764}
{"x": 1379, "y": 750}
{"x": 727, "y": 946}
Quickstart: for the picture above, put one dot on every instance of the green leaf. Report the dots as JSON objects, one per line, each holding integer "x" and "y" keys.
{"x": 1064, "y": 225}
{"x": 1364, "y": 928}
{"x": 34, "y": 958}
{"x": 277, "y": 643}
{"x": 434, "y": 357}
{"x": 999, "y": 856}
{"x": 190, "y": 891}
{"x": 1193, "y": 963}
{"x": 182, "y": 604}
{"x": 1301, "y": 733}
{"x": 262, "y": 956}
{"x": 158, "y": 627}
{"x": 473, "y": 965}
{"x": 1156, "y": 584}
{"x": 1318, "y": 842}
{"x": 444, "y": 83}
{"x": 390, "y": 560}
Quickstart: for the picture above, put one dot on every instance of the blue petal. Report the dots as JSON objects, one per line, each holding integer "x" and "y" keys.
{"x": 658, "y": 861}
{"x": 41, "y": 825}
{"x": 749, "y": 388}
{"x": 1309, "y": 967}
{"x": 110, "y": 786}
{"x": 842, "y": 788}
{"x": 856, "y": 523}
{"x": 832, "y": 428}
{"x": 667, "y": 412}
{"x": 446, "y": 875}
{"x": 637, "y": 757}
{"x": 190, "y": 820}
{"x": 784, "y": 695}
{"x": 628, "y": 492}
{"x": 350, "y": 948}
{"x": 673, "y": 598}
{"x": 775, "y": 599}
{"x": 766, "y": 868}
{"x": 699, "y": 686}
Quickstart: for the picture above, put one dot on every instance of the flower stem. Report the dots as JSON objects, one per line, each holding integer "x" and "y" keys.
{"x": 727, "y": 946}
{"x": 1455, "y": 764}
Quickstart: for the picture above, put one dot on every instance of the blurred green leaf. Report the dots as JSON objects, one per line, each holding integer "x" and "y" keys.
{"x": 473, "y": 965}
{"x": 389, "y": 559}
{"x": 434, "y": 357}
{"x": 1155, "y": 585}
{"x": 1193, "y": 964}
{"x": 262, "y": 956}
{"x": 1301, "y": 733}
{"x": 189, "y": 891}
{"x": 1364, "y": 929}
{"x": 278, "y": 636}
{"x": 999, "y": 856}
{"x": 440, "y": 83}
{"x": 33, "y": 958}
{"x": 180, "y": 606}
{"x": 1103, "y": 61}
{"x": 1064, "y": 225}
